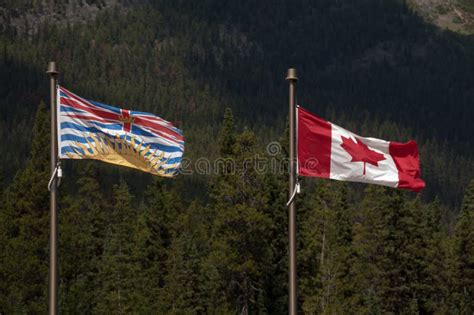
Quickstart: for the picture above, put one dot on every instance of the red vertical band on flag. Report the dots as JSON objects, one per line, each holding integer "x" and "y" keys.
{"x": 314, "y": 145}
{"x": 406, "y": 158}
{"x": 127, "y": 119}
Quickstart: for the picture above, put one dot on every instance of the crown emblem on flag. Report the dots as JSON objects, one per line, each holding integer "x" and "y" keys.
{"x": 127, "y": 119}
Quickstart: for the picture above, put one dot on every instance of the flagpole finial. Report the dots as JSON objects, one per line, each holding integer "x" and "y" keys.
{"x": 52, "y": 70}
{"x": 291, "y": 75}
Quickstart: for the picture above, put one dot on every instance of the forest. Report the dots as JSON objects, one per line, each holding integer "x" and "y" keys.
{"x": 217, "y": 243}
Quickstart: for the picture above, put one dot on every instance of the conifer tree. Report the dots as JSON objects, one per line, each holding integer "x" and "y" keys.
{"x": 326, "y": 252}
{"x": 227, "y": 134}
{"x": 276, "y": 183}
{"x": 25, "y": 229}
{"x": 383, "y": 270}
{"x": 184, "y": 291}
{"x": 119, "y": 272}
{"x": 464, "y": 255}
{"x": 82, "y": 234}
{"x": 427, "y": 249}
{"x": 156, "y": 227}
{"x": 239, "y": 251}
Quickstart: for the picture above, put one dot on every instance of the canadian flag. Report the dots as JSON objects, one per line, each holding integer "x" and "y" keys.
{"x": 329, "y": 151}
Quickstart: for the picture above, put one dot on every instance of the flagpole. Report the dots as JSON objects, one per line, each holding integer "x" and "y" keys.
{"x": 292, "y": 294}
{"x": 53, "y": 222}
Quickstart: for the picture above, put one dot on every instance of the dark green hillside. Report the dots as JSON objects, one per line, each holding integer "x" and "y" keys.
{"x": 374, "y": 56}
{"x": 360, "y": 64}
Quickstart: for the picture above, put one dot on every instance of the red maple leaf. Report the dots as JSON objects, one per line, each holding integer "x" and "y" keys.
{"x": 360, "y": 152}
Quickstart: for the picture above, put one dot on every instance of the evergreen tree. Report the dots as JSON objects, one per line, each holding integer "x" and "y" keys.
{"x": 156, "y": 227}
{"x": 119, "y": 272}
{"x": 427, "y": 249}
{"x": 24, "y": 222}
{"x": 227, "y": 134}
{"x": 384, "y": 272}
{"x": 81, "y": 237}
{"x": 276, "y": 183}
{"x": 184, "y": 291}
{"x": 464, "y": 255}
{"x": 241, "y": 229}
{"x": 326, "y": 252}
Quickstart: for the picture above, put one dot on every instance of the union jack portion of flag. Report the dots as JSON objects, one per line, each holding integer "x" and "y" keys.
{"x": 92, "y": 130}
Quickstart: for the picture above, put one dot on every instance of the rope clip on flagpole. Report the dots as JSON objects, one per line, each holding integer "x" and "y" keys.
{"x": 58, "y": 173}
{"x": 296, "y": 190}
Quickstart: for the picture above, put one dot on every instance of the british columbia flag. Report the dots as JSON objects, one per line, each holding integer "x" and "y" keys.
{"x": 92, "y": 130}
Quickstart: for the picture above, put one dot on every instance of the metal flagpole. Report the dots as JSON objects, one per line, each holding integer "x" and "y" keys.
{"x": 292, "y": 294}
{"x": 53, "y": 222}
